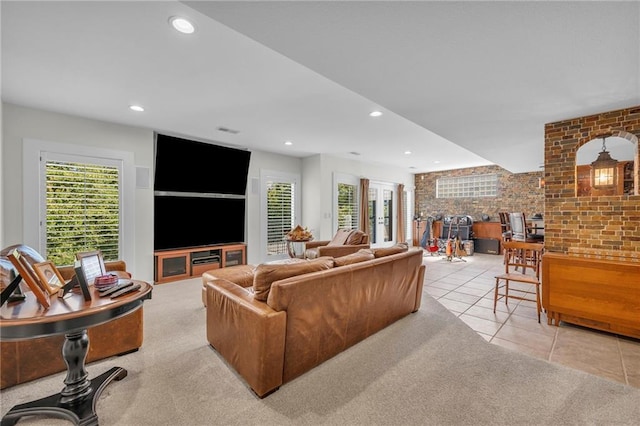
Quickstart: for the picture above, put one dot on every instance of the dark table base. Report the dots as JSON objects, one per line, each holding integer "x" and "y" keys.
{"x": 81, "y": 411}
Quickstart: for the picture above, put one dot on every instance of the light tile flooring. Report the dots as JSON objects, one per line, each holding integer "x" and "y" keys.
{"x": 466, "y": 289}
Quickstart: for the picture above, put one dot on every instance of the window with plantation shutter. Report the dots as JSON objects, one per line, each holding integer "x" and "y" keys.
{"x": 82, "y": 208}
{"x": 280, "y": 207}
{"x": 408, "y": 215}
{"x": 347, "y": 206}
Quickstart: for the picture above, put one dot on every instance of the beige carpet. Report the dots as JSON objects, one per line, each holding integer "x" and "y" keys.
{"x": 426, "y": 369}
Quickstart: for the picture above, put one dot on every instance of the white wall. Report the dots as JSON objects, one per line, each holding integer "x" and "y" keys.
{"x": 21, "y": 123}
{"x": 316, "y": 172}
{"x": 262, "y": 160}
{"x": 2, "y": 244}
{"x": 318, "y": 208}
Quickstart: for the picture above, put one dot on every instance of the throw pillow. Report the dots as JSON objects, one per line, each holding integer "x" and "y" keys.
{"x": 340, "y": 238}
{"x": 267, "y": 273}
{"x": 359, "y": 256}
{"x": 386, "y": 251}
{"x": 355, "y": 238}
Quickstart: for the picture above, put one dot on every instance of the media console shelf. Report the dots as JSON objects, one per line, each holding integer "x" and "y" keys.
{"x": 172, "y": 265}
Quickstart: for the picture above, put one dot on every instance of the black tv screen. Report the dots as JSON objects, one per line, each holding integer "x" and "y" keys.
{"x": 185, "y": 222}
{"x": 184, "y": 165}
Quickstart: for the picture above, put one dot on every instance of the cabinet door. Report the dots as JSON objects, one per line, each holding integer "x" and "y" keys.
{"x": 172, "y": 267}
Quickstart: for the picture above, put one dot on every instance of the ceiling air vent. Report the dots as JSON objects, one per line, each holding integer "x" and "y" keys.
{"x": 227, "y": 130}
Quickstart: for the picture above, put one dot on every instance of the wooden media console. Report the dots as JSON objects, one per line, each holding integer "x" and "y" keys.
{"x": 172, "y": 265}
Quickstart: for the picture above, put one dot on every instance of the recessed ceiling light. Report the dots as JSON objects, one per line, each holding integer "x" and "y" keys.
{"x": 436, "y": 162}
{"x": 136, "y": 108}
{"x": 182, "y": 25}
{"x": 407, "y": 153}
{"x": 288, "y": 143}
{"x": 375, "y": 113}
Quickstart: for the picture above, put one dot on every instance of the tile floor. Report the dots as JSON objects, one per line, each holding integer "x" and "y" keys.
{"x": 466, "y": 289}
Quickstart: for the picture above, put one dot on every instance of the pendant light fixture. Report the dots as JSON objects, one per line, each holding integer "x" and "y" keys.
{"x": 604, "y": 170}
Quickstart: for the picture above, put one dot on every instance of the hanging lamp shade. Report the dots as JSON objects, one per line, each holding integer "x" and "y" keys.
{"x": 604, "y": 169}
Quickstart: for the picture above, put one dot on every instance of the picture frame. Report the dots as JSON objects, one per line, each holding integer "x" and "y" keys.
{"x": 92, "y": 264}
{"x": 49, "y": 276}
{"x": 33, "y": 282}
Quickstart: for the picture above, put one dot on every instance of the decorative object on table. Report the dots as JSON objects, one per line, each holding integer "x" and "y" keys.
{"x": 92, "y": 265}
{"x": 299, "y": 234}
{"x": 49, "y": 276}
{"x": 24, "y": 271}
{"x": 78, "y": 280}
{"x": 296, "y": 239}
{"x": 12, "y": 292}
{"x": 104, "y": 281}
{"x": 83, "y": 283}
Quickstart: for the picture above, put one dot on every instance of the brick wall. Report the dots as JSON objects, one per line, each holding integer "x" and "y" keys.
{"x": 516, "y": 192}
{"x": 595, "y": 226}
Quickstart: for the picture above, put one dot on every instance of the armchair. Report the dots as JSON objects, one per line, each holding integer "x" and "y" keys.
{"x": 22, "y": 360}
{"x": 346, "y": 241}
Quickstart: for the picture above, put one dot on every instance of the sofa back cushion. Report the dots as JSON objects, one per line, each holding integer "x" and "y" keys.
{"x": 359, "y": 256}
{"x": 267, "y": 273}
{"x": 355, "y": 238}
{"x": 340, "y": 238}
{"x": 386, "y": 251}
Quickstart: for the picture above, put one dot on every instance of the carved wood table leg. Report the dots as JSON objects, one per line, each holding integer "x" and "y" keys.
{"x": 77, "y": 400}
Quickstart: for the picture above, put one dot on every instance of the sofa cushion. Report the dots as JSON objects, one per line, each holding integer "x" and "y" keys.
{"x": 386, "y": 251}
{"x": 359, "y": 256}
{"x": 355, "y": 238}
{"x": 267, "y": 273}
{"x": 340, "y": 238}
{"x": 238, "y": 274}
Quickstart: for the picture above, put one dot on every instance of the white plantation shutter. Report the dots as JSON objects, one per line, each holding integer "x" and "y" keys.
{"x": 280, "y": 215}
{"x": 347, "y": 206}
{"x": 408, "y": 215}
{"x": 82, "y": 209}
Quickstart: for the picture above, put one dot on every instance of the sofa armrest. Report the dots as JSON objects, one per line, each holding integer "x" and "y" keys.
{"x": 338, "y": 251}
{"x": 117, "y": 267}
{"x": 247, "y": 333}
{"x": 314, "y": 244}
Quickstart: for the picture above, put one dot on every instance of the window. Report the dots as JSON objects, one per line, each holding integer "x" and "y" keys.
{"x": 467, "y": 186}
{"x": 36, "y": 156}
{"x": 408, "y": 215}
{"x": 347, "y": 206}
{"x": 346, "y": 202}
{"x": 280, "y": 209}
{"x": 81, "y": 209}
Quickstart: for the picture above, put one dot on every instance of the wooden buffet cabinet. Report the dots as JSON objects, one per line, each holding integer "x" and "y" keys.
{"x": 596, "y": 293}
{"x": 172, "y": 265}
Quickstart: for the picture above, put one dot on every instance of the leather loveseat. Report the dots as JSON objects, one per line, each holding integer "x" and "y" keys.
{"x": 26, "y": 360}
{"x": 291, "y": 317}
{"x": 346, "y": 241}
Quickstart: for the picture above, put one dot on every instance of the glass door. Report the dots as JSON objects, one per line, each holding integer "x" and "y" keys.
{"x": 382, "y": 214}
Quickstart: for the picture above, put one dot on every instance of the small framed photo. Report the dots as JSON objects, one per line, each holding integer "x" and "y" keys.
{"x": 92, "y": 265}
{"x": 27, "y": 275}
{"x": 49, "y": 276}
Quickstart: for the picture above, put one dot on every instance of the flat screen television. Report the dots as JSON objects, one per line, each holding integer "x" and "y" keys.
{"x": 183, "y": 165}
{"x": 186, "y": 222}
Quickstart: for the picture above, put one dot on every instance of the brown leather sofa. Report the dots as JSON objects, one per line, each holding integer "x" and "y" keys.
{"x": 26, "y": 360}
{"x": 297, "y": 315}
